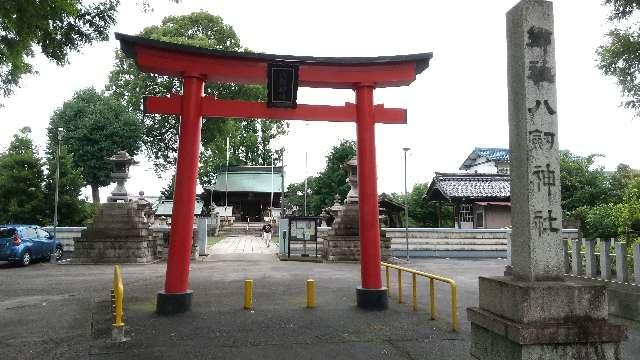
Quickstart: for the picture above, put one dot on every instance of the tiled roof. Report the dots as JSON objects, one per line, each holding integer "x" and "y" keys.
{"x": 165, "y": 207}
{"x": 491, "y": 154}
{"x": 469, "y": 186}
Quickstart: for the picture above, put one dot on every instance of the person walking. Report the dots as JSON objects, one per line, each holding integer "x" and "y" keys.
{"x": 266, "y": 233}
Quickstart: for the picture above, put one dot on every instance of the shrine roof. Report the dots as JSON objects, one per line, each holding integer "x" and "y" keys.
{"x": 469, "y": 186}
{"x": 128, "y": 43}
{"x": 491, "y": 154}
{"x": 249, "y": 180}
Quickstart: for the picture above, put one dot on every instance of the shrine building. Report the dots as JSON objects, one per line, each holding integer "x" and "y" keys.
{"x": 481, "y": 195}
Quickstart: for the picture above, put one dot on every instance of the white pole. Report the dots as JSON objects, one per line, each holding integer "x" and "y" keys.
{"x": 305, "y": 183}
{"x": 271, "y": 206}
{"x": 53, "y": 259}
{"x": 226, "y": 184}
{"x": 406, "y": 204}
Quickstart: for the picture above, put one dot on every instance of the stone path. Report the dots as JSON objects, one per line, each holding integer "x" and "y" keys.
{"x": 243, "y": 244}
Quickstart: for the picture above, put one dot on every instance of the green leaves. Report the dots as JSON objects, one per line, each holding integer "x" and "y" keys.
{"x": 95, "y": 127}
{"x": 321, "y": 189}
{"x": 250, "y": 139}
{"x": 620, "y": 55}
{"x": 21, "y": 178}
{"x": 57, "y": 27}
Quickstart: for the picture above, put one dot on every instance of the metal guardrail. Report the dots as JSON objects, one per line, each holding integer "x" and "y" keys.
{"x": 117, "y": 305}
{"x": 432, "y": 291}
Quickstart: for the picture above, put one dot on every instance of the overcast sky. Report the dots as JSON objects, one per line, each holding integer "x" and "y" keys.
{"x": 458, "y": 103}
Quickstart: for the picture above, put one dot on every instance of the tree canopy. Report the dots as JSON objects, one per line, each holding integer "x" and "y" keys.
{"x": 424, "y": 213}
{"x": 619, "y": 56}
{"x": 21, "y": 179}
{"x": 56, "y": 27}
{"x": 322, "y": 189}
{"x": 95, "y": 128}
{"x": 249, "y": 140}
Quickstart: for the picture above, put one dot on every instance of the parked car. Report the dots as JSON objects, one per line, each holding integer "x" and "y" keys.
{"x": 22, "y": 244}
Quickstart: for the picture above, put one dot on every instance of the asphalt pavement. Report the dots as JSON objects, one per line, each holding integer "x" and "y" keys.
{"x": 46, "y": 312}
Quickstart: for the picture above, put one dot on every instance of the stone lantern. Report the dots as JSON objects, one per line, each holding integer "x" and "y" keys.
{"x": 120, "y": 173}
{"x": 352, "y": 169}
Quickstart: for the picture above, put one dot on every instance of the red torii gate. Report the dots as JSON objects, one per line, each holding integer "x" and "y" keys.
{"x": 196, "y": 65}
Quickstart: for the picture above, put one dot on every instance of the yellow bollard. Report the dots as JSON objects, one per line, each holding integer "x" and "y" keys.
{"x": 311, "y": 293}
{"x": 432, "y": 297}
{"x": 248, "y": 294}
{"x": 415, "y": 295}
{"x": 118, "y": 290}
{"x": 117, "y": 298}
{"x": 399, "y": 286}
{"x": 454, "y": 315}
{"x": 386, "y": 268}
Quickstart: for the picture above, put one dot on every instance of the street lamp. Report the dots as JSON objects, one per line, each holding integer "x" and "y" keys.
{"x": 406, "y": 206}
{"x": 52, "y": 258}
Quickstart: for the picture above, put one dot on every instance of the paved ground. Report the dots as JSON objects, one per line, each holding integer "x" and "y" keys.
{"x": 243, "y": 244}
{"x": 46, "y": 310}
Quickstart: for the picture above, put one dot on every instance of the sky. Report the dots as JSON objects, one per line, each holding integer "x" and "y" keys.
{"x": 457, "y": 104}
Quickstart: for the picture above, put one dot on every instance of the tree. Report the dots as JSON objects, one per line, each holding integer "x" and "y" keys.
{"x": 582, "y": 184}
{"x": 424, "y": 213}
{"x": 619, "y": 56}
{"x": 72, "y": 211}
{"x": 56, "y": 27}
{"x": 249, "y": 140}
{"x": 21, "y": 179}
{"x": 95, "y": 128}
{"x": 323, "y": 188}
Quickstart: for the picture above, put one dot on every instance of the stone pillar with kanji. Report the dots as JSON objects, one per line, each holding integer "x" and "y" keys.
{"x": 535, "y": 313}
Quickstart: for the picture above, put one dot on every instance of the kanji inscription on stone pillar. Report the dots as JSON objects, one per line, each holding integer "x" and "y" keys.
{"x": 533, "y": 138}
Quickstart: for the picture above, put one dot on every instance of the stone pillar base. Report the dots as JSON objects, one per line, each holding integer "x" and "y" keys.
{"x": 543, "y": 320}
{"x": 169, "y": 304}
{"x": 372, "y": 299}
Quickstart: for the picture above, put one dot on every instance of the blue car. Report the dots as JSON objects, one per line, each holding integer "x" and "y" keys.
{"x": 22, "y": 244}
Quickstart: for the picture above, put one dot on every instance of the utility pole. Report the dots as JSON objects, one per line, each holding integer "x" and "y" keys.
{"x": 406, "y": 202}
{"x": 52, "y": 258}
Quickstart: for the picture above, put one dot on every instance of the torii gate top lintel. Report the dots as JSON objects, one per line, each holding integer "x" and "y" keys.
{"x": 171, "y": 59}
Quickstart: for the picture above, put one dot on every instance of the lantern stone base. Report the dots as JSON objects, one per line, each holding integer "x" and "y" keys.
{"x": 543, "y": 320}
{"x": 343, "y": 241}
{"x": 119, "y": 234}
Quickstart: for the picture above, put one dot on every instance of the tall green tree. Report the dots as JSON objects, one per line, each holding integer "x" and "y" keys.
{"x": 21, "y": 179}
{"x": 323, "y": 188}
{"x": 250, "y": 140}
{"x": 619, "y": 56}
{"x": 95, "y": 128}
{"x": 72, "y": 211}
{"x": 582, "y": 183}
{"x": 55, "y": 27}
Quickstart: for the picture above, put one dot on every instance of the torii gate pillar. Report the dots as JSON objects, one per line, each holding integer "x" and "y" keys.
{"x": 371, "y": 295}
{"x": 282, "y": 74}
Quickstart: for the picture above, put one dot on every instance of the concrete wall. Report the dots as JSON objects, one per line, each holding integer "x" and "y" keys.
{"x": 448, "y": 242}
{"x": 66, "y": 234}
